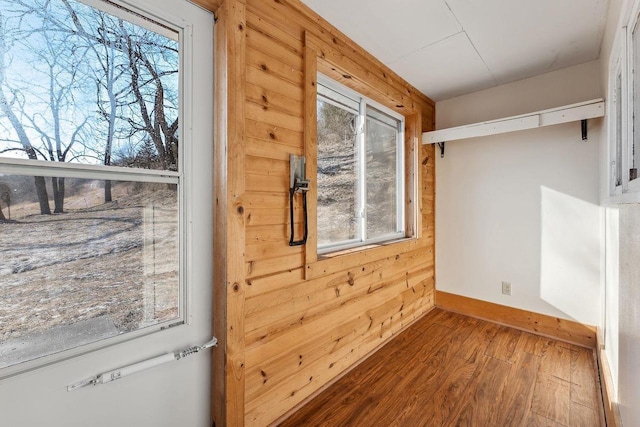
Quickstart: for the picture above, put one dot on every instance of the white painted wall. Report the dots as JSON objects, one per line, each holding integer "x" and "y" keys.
{"x": 621, "y": 302}
{"x": 629, "y": 315}
{"x": 522, "y": 207}
{"x": 174, "y": 394}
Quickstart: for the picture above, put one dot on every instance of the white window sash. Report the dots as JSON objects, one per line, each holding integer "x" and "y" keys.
{"x": 361, "y": 210}
{"x": 171, "y": 27}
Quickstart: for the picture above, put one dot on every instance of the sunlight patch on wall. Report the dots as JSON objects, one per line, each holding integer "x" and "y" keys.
{"x": 611, "y": 293}
{"x": 570, "y": 255}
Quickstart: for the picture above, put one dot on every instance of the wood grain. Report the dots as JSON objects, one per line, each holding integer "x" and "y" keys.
{"x": 438, "y": 373}
{"x": 503, "y": 345}
{"x": 229, "y": 241}
{"x": 611, "y": 410}
{"x": 583, "y": 379}
{"x": 478, "y": 405}
{"x": 556, "y": 361}
{"x": 540, "y": 324}
{"x": 552, "y": 398}
{"x": 516, "y": 398}
{"x": 311, "y": 147}
{"x": 290, "y": 323}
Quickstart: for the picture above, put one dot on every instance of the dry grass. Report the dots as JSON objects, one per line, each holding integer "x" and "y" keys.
{"x": 117, "y": 259}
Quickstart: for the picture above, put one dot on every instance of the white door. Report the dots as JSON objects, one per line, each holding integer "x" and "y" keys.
{"x": 106, "y": 156}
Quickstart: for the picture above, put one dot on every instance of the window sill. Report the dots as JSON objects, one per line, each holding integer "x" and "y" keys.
{"x": 341, "y": 260}
{"x": 621, "y": 199}
{"x": 340, "y": 252}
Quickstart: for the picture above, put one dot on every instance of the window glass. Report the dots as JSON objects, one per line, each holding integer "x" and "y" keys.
{"x": 360, "y": 170}
{"x": 79, "y": 85}
{"x": 382, "y": 180}
{"x": 97, "y": 271}
{"x": 618, "y": 158}
{"x": 90, "y": 230}
{"x": 337, "y": 173}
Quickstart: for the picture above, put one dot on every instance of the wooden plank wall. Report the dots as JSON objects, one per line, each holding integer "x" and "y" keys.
{"x": 292, "y": 326}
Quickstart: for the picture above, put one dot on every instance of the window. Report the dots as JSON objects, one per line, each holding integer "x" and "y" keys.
{"x": 624, "y": 108}
{"x": 360, "y": 169}
{"x": 92, "y": 234}
{"x": 618, "y": 129}
{"x": 634, "y": 145}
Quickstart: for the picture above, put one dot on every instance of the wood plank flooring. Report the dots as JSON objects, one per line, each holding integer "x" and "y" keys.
{"x": 453, "y": 370}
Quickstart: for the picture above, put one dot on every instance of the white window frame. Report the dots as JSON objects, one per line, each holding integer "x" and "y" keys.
{"x": 364, "y": 102}
{"x": 634, "y": 24}
{"x": 183, "y": 178}
{"x": 617, "y": 111}
{"x": 622, "y": 63}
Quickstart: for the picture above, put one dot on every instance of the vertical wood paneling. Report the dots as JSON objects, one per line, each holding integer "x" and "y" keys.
{"x": 229, "y": 241}
{"x": 310, "y": 142}
{"x": 219, "y": 357}
{"x": 413, "y": 133}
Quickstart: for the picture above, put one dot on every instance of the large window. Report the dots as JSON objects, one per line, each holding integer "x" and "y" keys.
{"x": 91, "y": 177}
{"x": 360, "y": 169}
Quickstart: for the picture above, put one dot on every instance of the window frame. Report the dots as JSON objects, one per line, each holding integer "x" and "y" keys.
{"x": 633, "y": 80}
{"x": 617, "y": 129}
{"x": 364, "y": 103}
{"x": 160, "y": 21}
{"x": 622, "y": 62}
{"x": 319, "y": 56}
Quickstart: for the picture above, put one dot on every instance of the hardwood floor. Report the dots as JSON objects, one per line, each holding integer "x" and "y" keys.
{"x": 453, "y": 370}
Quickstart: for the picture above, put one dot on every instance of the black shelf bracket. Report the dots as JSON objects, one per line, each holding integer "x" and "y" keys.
{"x": 441, "y": 146}
{"x": 583, "y": 125}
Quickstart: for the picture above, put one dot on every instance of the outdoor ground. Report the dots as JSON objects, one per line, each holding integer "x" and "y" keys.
{"x": 116, "y": 262}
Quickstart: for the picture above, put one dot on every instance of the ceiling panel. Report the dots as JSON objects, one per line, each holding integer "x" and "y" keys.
{"x": 448, "y": 68}
{"x": 389, "y": 33}
{"x": 448, "y": 48}
{"x": 519, "y": 39}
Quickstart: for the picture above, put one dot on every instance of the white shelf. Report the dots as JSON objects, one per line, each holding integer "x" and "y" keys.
{"x": 569, "y": 113}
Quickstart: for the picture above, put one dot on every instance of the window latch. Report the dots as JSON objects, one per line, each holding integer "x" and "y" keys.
{"x": 134, "y": 368}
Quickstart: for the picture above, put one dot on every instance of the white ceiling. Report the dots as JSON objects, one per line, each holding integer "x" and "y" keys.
{"x": 447, "y": 48}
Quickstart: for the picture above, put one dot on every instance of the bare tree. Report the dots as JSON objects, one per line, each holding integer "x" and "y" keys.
{"x": 5, "y": 197}
{"x": 59, "y": 135}
{"x": 152, "y": 59}
{"x": 133, "y": 73}
{"x": 6, "y": 107}
{"x": 110, "y": 92}
{"x": 150, "y": 94}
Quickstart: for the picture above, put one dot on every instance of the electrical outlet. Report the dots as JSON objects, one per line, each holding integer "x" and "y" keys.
{"x": 506, "y": 288}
